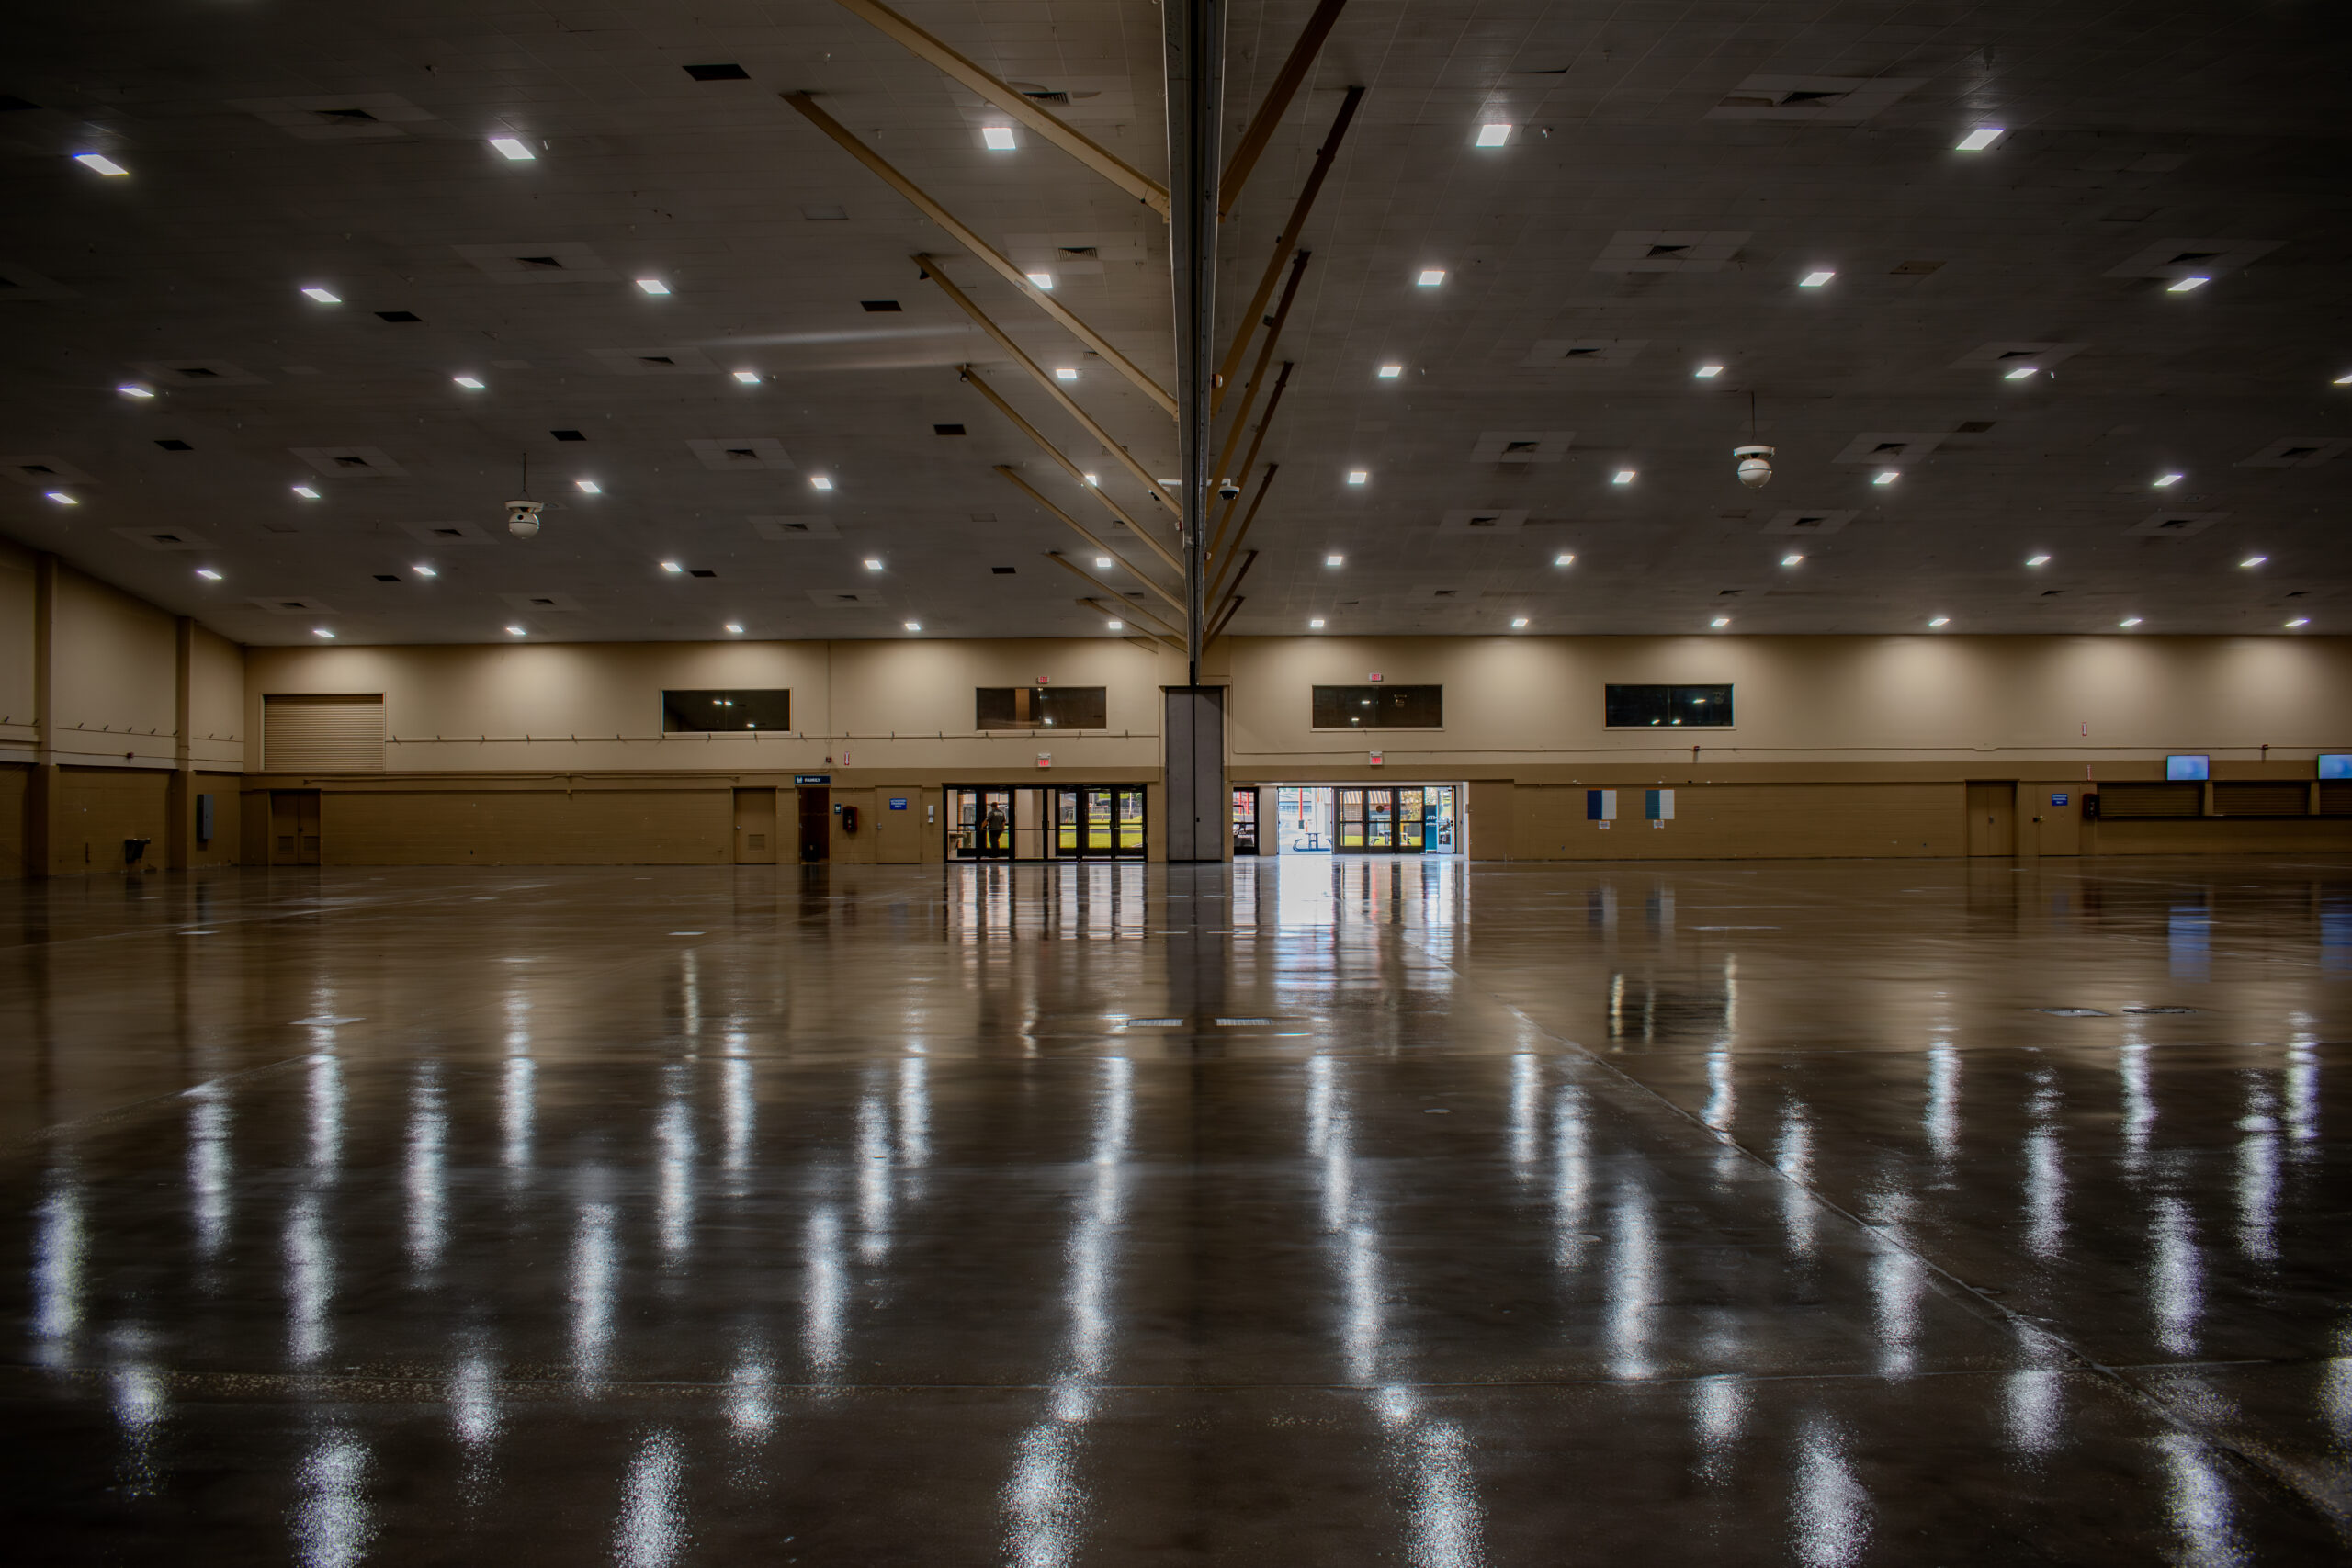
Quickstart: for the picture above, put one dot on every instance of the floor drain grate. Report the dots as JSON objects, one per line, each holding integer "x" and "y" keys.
{"x": 2075, "y": 1012}
{"x": 2142, "y": 1012}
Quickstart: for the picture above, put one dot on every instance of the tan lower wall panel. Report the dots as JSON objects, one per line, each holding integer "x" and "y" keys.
{"x": 15, "y": 781}
{"x": 668, "y": 827}
{"x": 99, "y": 808}
{"x": 1745, "y": 822}
{"x": 2224, "y": 836}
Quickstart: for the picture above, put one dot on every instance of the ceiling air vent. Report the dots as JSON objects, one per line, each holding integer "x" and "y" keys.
{"x": 386, "y": 577}
{"x": 1972, "y": 428}
{"x": 719, "y": 73}
{"x": 398, "y": 316}
{"x": 948, "y": 430}
{"x": 567, "y": 435}
{"x": 175, "y": 446}
{"x": 1003, "y": 570}
{"x": 878, "y": 305}
{"x": 701, "y": 572}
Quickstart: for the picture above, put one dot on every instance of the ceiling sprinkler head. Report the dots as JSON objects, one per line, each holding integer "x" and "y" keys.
{"x": 1755, "y": 466}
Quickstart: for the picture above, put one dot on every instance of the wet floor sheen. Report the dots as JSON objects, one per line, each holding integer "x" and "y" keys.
{"x": 1315, "y": 1212}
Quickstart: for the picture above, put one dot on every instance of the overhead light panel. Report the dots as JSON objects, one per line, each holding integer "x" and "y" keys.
{"x": 734, "y": 629}
{"x": 997, "y": 138}
{"x": 1093, "y": 479}
{"x": 749, "y": 377}
{"x": 1044, "y": 280}
{"x": 323, "y": 296}
{"x": 1720, "y": 621}
{"x": 1707, "y": 372}
{"x": 321, "y": 631}
{"x": 652, "y": 285}
{"x": 1064, "y": 373}
{"x": 1624, "y": 476}
{"x": 509, "y": 147}
{"x": 819, "y": 481}
{"x": 1101, "y": 563}
{"x": 423, "y": 571}
{"x": 2129, "y": 621}
{"x": 1390, "y": 372}
{"x": 1359, "y": 476}
{"x": 1793, "y": 560}
{"x": 1493, "y": 135}
{"x": 133, "y": 390}
{"x": 62, "y": 498}
{"x": 518, "y": 631}
{"x": 1519, "y": 623}
{"x": 1430, "y": 276}
{"x": 671, "y": 566}
{"x": 1116, "y": 626}
{"x": 2165, "y": 481}
{"x": 1885, "y": 477}
{"x": 2344, "y": 380}
{"x": 99, "y": 162}
{"x": 206, "y": 573}
{"x": 1563, "y": 558}
{"x": 2183, "y": 285}
{"x": 2254, "y": 560}
{"x": 470, "y": 383}
{"x": 589, "y": 487}
{"x": 306, "y": 492}
{"x": 2021, "y": 372}
{"x": 2298, "y": 621}
{"x": 872, "y": 564}
{"x": 1976, "y": 141}
{"x": 2037, "y": 560}
{"x": 1815, "y": 279}
{"x": 1315, "y": 624}
{"x": 1939, "y": 622}
{"x": 914, "y": 625}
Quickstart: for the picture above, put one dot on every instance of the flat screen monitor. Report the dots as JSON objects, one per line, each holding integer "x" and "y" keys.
{"x": 2336, "y": 764}
{"x": 2189, "y": 767}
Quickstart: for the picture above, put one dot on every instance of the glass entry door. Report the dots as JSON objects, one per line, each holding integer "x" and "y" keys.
{"x": 979, "y": 824}
{"x": 1098, "y": 821}
{"x": 1245, "y": 821}
{"x": 1411, "y": 820}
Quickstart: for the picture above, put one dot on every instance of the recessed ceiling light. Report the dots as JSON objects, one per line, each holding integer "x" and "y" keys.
{"x": 1706, "y": 371}
{"x": 1430, "y": 276}
{"x": 100, "y": 161}
{"x": 1116, "y": 626}
{"x": 733, "y": 629}
{"x": 2037, "y": 560}
{"x": 323, "y": 296}
{"x": 2021, "y": 372}
{"x": 749, "y": 377}
{"x": 653, "y": 286}
{"x": 1358, "y": 476}
{"x": 997, "y": 138}
{"x": 306, "y": 492}
{"x": 1815, "y": 279}
{"x": 1093, "y": 479}
{"x": 872, "y": 564}
{"x": 1720, "y": 621}
{"x": 1064, "y": 373}
{"x": 133, "y": 390}
{"x": 512, "y": 148}
{"x": 1493, "y": 135}
{"x": 63, "y": 498}
{"x": 1519, "y": 623}
{"x": 470, "y": 383}
{"x": 2183, "y": 285}
{"x": 2345, "y": 380}
{"x": 1793, "y": 560}
{"x": 819, "y": 481}
{"x": 2299, "y": 621}
{"x": 321, "y": 631}
{"x": 671, "y": 566}
{"x": 425, "y": 571}
{"x": 1624, "y": 476}
{"x": 2129, "y": 621}
{"x": 1563, "y": 558}
{"x": 1939, "y": 621}
{"x": 1390, "y": 372}
{"x": 914, "y": 625}
{"x": 206, "y": 573}
{"x": 1044, "y": 280}
{"x": 518, "y": 631}
{"x": 1315, "y": 624}
{"x": 1976, "y": 141}
{"x": 2164, "y": 482}
{"x": 1885, "y": 477}
{"x": 1101, "y": 563}
{"x": 2254, "y": 560}
{"x": 588, "y": 487}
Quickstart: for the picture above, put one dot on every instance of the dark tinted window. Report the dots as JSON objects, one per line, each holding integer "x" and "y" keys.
{"x": 1040, "y": 707}
{"x": 696, "y": 711}
{"x": 1379, "y": 707}
{"x": 1704, "y": 708}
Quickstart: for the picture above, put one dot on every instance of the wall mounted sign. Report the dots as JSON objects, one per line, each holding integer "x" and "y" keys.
{"x": 812, "y": 778}
{"x": 898, "y": 802}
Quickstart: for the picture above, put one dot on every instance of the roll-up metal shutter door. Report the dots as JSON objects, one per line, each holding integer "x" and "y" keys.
{"x": 337, "y": 734}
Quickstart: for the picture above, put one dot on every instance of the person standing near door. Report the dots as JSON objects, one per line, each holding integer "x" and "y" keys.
{"x": 994, "y": 825}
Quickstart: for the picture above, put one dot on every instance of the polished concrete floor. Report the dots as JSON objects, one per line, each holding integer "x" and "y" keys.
{"x": 1347, "y": 1212}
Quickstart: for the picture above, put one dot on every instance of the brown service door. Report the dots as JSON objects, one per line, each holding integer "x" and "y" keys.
{"x": 755, "y": 827}
{"x": 816, "y": 826}
{"x": 1992, "y": 817}
{"x": 293, "y": 827}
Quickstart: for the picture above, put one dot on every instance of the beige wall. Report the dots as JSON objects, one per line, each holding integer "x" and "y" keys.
{"x": 1951, "y": 706}
{"x": 15, "y": 646}
{"x": 116, "y": 671}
